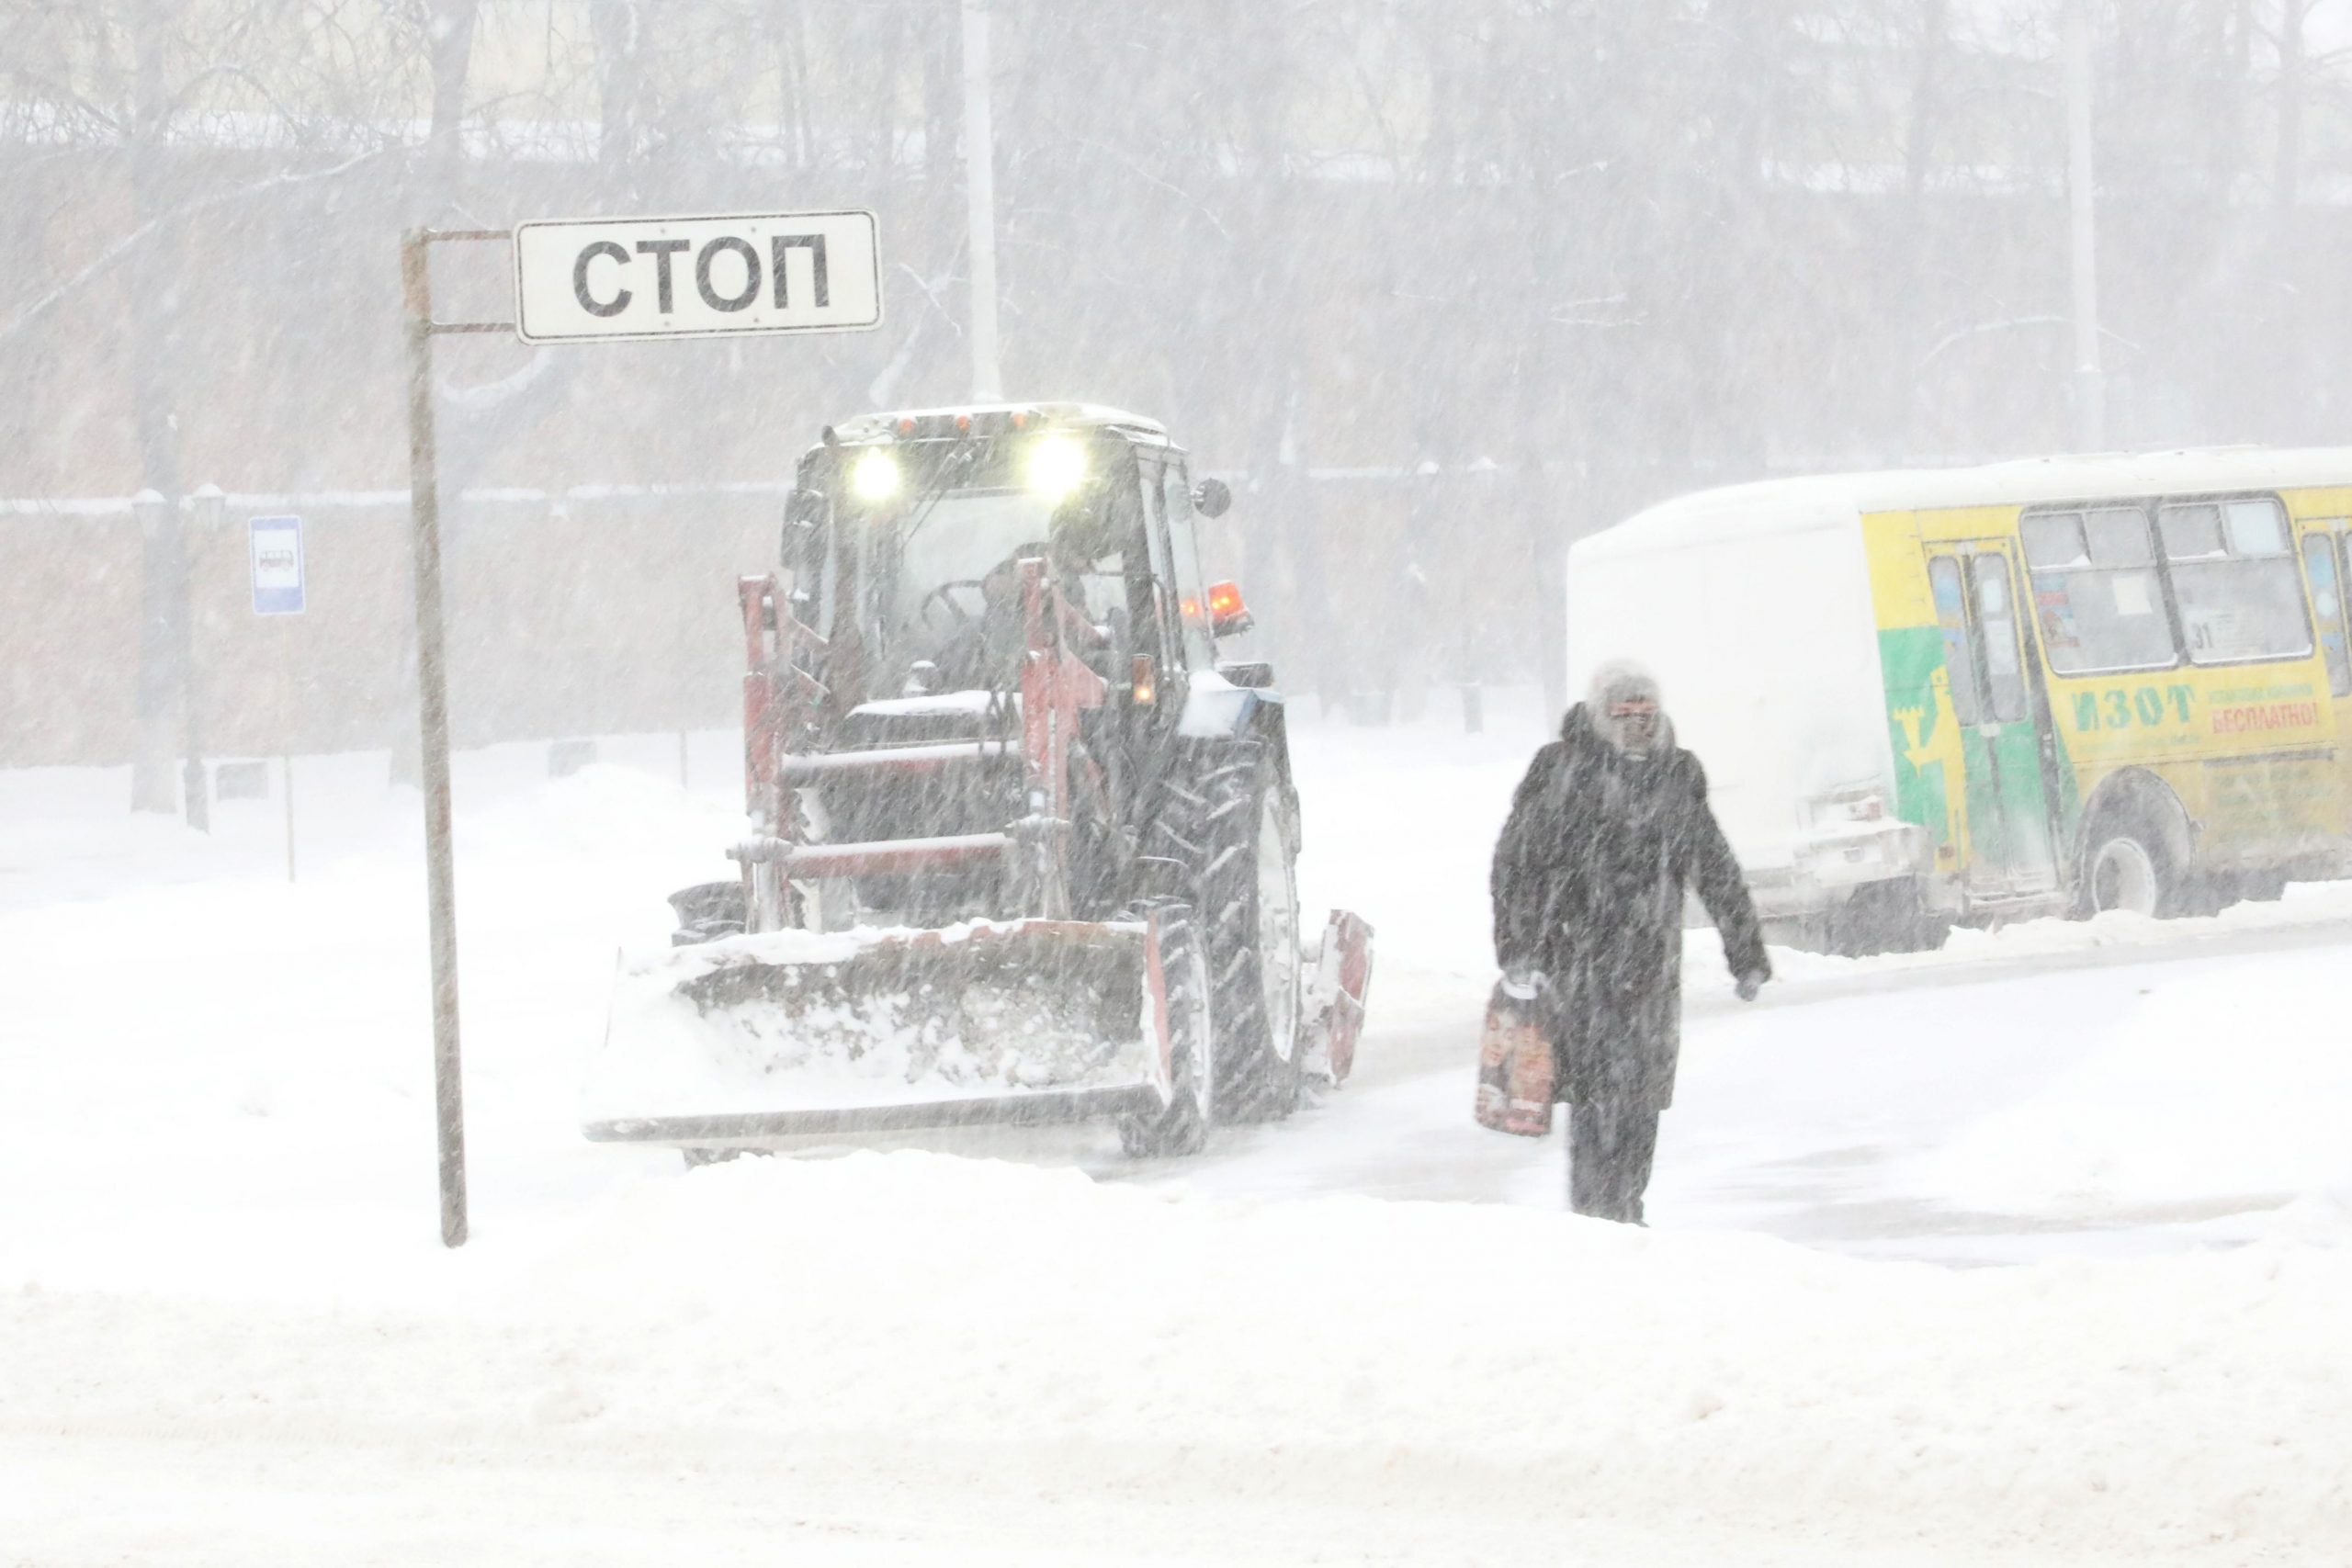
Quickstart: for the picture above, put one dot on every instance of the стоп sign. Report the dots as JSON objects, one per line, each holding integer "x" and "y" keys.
{"x": 661, "y": 278}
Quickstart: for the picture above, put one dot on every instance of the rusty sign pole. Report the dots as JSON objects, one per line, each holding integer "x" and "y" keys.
{"x": 841, "y": 291}
{"x": 433, "y": 706}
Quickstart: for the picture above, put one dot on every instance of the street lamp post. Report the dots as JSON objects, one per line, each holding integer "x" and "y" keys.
{"x": 979, "y": 198}
{"x": 204, "y": 512}
{"x": 2089, "y": 384}
{"x": 167, "y": 666}
{"x": 151, "y": 766}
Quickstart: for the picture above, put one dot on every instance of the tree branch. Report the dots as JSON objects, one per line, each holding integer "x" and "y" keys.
{"x": 121, "y": 249}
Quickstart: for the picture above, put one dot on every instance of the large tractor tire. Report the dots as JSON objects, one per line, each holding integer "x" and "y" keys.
{"x": 1236, "y": 823}
{"x": 1181, "y": 1126}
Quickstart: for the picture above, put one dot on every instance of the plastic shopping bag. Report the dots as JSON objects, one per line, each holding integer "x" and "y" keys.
{"x": 1514, "y": 1068}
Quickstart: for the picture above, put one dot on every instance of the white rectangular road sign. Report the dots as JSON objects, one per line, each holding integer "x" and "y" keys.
{"x": 275, "y": 546}
{"x": 588, "y": 279}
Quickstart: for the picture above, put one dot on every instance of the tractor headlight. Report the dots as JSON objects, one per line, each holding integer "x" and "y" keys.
{"x": 875, "y": 476}
{"x": 1057, "y": 465}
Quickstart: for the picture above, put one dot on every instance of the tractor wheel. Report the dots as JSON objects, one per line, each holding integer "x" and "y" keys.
{"x": 1181, "y": 1126}
{"x": 1239, "y": 830}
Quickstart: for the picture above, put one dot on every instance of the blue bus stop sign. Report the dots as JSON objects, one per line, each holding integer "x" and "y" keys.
{"x": 276, "y": 545}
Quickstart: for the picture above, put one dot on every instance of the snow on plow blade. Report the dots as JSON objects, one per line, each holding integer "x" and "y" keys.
{"x": 790, "y": 1033}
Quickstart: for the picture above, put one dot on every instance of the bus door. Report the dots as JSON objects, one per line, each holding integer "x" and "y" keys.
{"x": 2327, "y": 567}
{"x": 2009, "y": 846}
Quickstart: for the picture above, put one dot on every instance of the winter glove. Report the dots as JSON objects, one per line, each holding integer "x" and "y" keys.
{"x": 1749, "y": 984}
{"x": 1521, "y": 983}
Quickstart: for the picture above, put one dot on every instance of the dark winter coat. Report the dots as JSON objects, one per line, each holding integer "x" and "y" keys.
{"x": 1587, "y": 886}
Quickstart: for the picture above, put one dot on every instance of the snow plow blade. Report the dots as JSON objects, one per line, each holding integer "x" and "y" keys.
{"x": 785, "y": 1034}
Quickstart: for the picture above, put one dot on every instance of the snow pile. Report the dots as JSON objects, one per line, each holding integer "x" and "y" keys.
{"x": 2067, "y": 1404}
{"x": 2309, "y": 911}
{"x": 601, "y": 811}
{"x": 2226, "y": 1083}
{"x": 916, "y": 1340}
{"x": 2321, "y": 1217}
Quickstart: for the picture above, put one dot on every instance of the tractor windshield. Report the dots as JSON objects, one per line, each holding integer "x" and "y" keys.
{"x": 948, "y": 549}
{"x": 936, "y": 583}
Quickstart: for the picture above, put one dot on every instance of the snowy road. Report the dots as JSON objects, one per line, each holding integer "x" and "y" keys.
{"x": 1805, "y": 1114}
{"x": 231, "y": 1336}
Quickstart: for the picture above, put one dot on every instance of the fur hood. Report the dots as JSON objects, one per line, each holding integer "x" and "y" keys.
{"x": 1614, "y": 681}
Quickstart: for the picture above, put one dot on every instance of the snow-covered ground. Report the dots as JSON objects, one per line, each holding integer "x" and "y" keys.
{"x": 228, "y": 1333}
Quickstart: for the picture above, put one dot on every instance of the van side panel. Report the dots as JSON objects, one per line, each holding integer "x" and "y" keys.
{"x": 1765, "y": 648}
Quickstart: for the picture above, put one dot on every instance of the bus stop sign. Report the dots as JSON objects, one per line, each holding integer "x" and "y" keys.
{"x": 275, "y": 545}
{"x": 591, "y": 279}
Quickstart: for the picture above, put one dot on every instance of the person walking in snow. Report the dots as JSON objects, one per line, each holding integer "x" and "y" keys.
{"x": 1609, "y": 824}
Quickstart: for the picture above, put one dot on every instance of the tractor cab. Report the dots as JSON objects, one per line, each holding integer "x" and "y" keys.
{"x": 959, "y": 573}
{"x": 906, "y": 534}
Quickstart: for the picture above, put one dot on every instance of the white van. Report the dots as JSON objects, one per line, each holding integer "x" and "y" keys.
{"x": 1751, "y": 605}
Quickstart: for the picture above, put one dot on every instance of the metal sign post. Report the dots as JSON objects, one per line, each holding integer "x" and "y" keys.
{"x": 433, "y": 708}
{"x": 273, "y": 545}
{"x": 590, "y": 280}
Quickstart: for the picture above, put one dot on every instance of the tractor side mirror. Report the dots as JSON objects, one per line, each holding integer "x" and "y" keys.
{"x": 805, "y": 511}
{"x": 805, "y": 508}
{"x": 805, "y": 515}
{"x": 1212, "y": 499}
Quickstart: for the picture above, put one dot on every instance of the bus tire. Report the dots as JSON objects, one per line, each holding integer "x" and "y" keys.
{"x": 2262, "y": 886}
{"x": 1884, "y": 917}
{"x": 2125, "y": 868}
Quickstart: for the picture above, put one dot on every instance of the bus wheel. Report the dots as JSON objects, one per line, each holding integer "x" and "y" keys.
{"x": 2122, "y": 873}
{"x": 2258, "y": 886}
{"x": 1884, "y": 917}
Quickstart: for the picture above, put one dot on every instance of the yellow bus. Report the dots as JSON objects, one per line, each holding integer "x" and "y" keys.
{"x": 2068, "y": 684}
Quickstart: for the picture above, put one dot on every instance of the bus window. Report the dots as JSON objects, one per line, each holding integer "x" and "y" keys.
{"x": 2055, "y": 539}
{"x": 2192, "y": 532}
{"x": 2119, "y": 536}
{"x": 2343, "y": 564}
{"x": 2096, "y": 596}
{"x": 2327, "y": 605}
{"x": 1951, "y": 614}
{"x": 2255, "y": 528}
{"x": 1996, "y": 625}
{"x": 2234, "y": 579}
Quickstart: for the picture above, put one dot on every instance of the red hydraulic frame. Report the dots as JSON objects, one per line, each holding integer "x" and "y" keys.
{"x": 782, "y": 705}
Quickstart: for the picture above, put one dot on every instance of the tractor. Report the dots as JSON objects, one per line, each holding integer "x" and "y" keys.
{"x": 1021, "y": 843}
